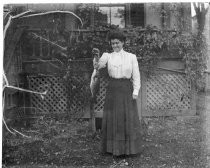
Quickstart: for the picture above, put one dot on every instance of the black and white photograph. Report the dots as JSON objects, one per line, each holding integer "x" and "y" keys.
{"x": 106, "y": 84}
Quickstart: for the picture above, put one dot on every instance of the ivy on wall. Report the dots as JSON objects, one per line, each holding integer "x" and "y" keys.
{"x": 150, "y": 46}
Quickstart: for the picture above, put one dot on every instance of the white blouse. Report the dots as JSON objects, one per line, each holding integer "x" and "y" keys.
{"x": 122, "y": 65}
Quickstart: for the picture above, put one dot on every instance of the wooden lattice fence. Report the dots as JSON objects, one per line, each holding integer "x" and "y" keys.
{"x": 56, "y": 97}
{"x": 71, "y": 95}
{"x": 163, "y": 93}
{"x": 100, "y": 99}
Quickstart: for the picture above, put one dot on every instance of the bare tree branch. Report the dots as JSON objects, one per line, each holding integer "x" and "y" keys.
{"x": 196, "y": 8}
{"x": 21, "y": 133}
{"x": 206, "y": 10}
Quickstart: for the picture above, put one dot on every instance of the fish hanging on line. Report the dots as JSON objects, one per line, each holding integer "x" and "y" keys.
{"x": 95, "y": 82}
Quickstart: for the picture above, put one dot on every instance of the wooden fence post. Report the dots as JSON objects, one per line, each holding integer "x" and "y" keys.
{"x": 92, "y": 115}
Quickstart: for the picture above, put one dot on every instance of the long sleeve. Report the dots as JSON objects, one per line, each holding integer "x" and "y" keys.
{"x": 103, "y": 60}
{"x": 135, "y": 75}
{"x": 122, "y": 65}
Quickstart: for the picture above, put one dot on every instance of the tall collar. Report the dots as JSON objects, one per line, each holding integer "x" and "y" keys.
{"x": 117, "y": 58}
{"x": 120, "y": 52}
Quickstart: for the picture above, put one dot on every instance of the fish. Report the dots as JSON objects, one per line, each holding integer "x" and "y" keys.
{"x": 95, "y": 77}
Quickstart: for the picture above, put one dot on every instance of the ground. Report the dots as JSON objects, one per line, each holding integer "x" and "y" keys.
{"x": 170, "y": 142}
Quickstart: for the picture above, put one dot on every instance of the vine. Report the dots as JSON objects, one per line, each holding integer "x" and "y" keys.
{"x": 151, "y": 44}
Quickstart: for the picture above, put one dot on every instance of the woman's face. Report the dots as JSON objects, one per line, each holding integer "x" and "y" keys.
{"x": 117, "y": 45}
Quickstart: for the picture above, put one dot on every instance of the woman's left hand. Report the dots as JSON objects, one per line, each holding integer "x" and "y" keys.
{"x": 135, "y": 96}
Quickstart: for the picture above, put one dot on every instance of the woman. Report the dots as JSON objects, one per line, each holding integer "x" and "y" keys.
{"x": 120, "y": 125}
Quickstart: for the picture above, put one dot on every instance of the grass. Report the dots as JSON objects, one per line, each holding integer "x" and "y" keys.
{"x": 170, "y": 142}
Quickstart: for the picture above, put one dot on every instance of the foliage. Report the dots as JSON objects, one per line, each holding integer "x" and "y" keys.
{"x": 192, "y": 47}
{"x": 83, "y": 11}
{"x": 153, "y": 45}
{"x": 78, "y": 92}
{"x": 176, "y": 11}
{"x": 195, "y": 57}
{"x": 150, "y": 46}
{"x": 86, "y": 42}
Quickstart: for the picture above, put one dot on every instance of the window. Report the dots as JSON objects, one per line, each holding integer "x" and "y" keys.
{"x": 119, "y": 14}
{"x": 137, "y": 14}
{"x": 114, "y": 15}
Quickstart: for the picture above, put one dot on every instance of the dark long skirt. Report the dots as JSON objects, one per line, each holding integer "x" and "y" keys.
{"x": 121, "y": 125}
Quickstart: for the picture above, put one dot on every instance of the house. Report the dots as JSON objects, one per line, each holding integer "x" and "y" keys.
{"x": 44, "y": 39}
{"x": 125, "y": 14}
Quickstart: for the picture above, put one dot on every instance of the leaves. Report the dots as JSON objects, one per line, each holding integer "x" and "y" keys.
{"x": 150, "y": 46}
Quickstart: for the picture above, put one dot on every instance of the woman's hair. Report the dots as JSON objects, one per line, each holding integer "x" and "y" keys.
{"x": 117, "y": 34}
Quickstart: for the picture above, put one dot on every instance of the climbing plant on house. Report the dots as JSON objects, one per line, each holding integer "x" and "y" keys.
{"x": 150, "y": 46}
